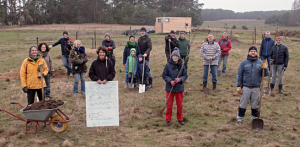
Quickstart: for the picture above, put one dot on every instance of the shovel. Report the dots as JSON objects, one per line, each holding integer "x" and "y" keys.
{"x": 267, "y": 90}
{"x": 41, "y": 76}
{"x": 131, "y": 85}
{"x": 206, "y": 89}
{"x": 258, "y": 124}
{"x": 142, "y": 86}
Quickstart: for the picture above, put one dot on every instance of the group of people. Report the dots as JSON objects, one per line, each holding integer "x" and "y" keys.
{"x": 136, "y": 57}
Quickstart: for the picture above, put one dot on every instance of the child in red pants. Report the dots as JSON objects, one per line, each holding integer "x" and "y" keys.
{"x": 174, "y": 74}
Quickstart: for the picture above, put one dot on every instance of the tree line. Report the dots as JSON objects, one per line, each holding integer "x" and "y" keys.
{"x": 135, "y": 12}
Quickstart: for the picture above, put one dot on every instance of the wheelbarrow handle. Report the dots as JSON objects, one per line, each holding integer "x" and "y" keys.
{"x": 17, "y": 103}
{"x": 0, "y": 109}
{"x": 12, "y": 103}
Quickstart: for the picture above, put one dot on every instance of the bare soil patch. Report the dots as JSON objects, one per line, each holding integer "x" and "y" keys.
{"x": 49, "y": 104}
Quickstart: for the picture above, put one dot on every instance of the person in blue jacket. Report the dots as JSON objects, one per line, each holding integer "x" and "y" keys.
{"x": 248, "y": 80}
{"x": 175, "y": 75}
{"x": 140, "y": 71}
{"x": 131, "y": 67}
{"x": 66, "y": 47}
{"x": 265, "y": 48}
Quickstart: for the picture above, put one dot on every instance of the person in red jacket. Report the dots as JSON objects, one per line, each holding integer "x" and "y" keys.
{"x": 225, "y": 45}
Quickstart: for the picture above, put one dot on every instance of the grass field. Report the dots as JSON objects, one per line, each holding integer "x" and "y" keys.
{"x": 210, "y": 120}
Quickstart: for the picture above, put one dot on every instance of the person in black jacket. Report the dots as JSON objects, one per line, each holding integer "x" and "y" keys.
{"x": 110, "y": 46}
{"x": 175, "y": 75}
{"x": 280, "y": 56}
{"x": 129, "y": 45}
{"x": 102, "y": 70}
{"x": 170, "y": 40}
{"x": 66, "y": 46}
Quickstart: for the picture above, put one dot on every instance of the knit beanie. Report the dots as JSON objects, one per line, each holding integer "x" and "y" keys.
{"x": 278, "y": 38}
{"x": 172, "y": 32}
{"x": 175, "y": 52}
{"x": 65, "y": 32}
{"x": 131, "y": 36}
{"x": 252, "y": 48}
{"x": 143, "y": 29}
{"x": 140, "y": 56}
{"x": 107, "y": 34}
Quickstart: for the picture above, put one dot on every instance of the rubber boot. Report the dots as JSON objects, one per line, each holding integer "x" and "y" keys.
{"x": 280, "y": 89}
{"x": 240, "y": 115}
{"x": 215, "y": 86}
{"x": 126, "y": 85}
{"x": 204, "y": 85}
{"x": 150, "y": 83}
{"x": 272, "y": 86}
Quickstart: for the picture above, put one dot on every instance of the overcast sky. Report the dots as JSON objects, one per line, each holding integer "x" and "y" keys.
{"x": 248, "y": 5}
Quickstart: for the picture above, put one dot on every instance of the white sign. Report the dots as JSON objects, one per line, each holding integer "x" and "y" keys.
{"x": 102, "y": 104}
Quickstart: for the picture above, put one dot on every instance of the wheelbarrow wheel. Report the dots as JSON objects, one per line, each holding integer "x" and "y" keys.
{"x": 58, "y": 127}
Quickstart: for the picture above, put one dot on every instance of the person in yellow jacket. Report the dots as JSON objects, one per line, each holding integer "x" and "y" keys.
{"x": 29, "y": 74}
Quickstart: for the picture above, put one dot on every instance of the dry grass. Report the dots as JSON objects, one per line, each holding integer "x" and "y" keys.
{"x": 66, "y": 143}
{"x": 11, "y": 131}
{"x": 2, "y": 141}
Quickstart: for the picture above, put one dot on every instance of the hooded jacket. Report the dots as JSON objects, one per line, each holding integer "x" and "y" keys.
{"x": 127, "y": 49}
{"x": 250, "y": 73}
{"x": 78, "y": 67}
{"x": 183, "y": 45}
{"x": 171, "y": 71}
{"x": 173, "y": 43}
{"x": 280, "y": 56}
{"x": 65, "y": 47}
{"x": 102, "y": 70}
{"x": 225, "y": 44}
{"x": 109, "y": 43}
{"x": 29, "y": 73}
{"x": 145, "y": 44}
{"x": 131, "y": 63}
{"x": 265, "y": 47}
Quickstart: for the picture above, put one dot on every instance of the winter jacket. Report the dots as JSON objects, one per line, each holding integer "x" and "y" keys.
{"x": 170, "y": 73}
{"x": 250, "y": 73}
{"x": 173, "y": 43}
{"x": 127, "y": 49}
{"x": 210, "y": 50}
{"x": 145, "y": 45}
{"x": 78, "y": 67}
{"x": 225, "y": 44}
{"x": 48, "y": 59}
{"x": 109, "y": 43}
{"x": 183, "y": 45}
{"x": 280, "y": 56}
{"x": 140, "y": 69}
{"x": 265, "y": 47}
{"x": 133, "y": 66}
{"x": 29, "y": 73}
{"x": 65, "y": 47}
{"x": 102, "y": 70}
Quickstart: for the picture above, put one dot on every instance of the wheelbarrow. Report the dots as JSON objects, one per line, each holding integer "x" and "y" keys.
{"x": 58, "y": 123}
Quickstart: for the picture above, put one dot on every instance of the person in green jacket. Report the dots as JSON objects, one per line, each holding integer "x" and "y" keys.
{"x": 184, "y": 46}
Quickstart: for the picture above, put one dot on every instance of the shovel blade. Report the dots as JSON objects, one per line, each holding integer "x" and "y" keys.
{"x": 218, "y": 73}
{"x": 258, "y": 124}
{"x": 130, "y": 86}
{"x": 206, "y": 91}
{"x": 141, "y": 88}
{"x": 267, "y": 90}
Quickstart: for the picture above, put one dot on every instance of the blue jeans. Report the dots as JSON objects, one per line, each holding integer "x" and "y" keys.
{"x": 149, "y": 75}
{"x": 47, "y": 88}
{"x": 128, "y": 78}
{"x": 224, "y": 58}
{"x": 67, "y": 63}
{"x": 76, "y": 80}
{"x": 213, "y": 69}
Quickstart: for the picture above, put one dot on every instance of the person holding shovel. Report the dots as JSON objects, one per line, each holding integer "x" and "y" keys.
{"x": 131, "y": 68}
{"x": 145, "y": 44}
{"x": 171, "y": 43}
{"x": 210, "y": 51}
{"x": 184, "y": 46}
{"x": 248, "y": 81}
{"x": 66, "y": 46}
{"x": 44, "y": 51}
{"x": 141, "y": 66}
{"x": 102, "y": 69}
{"x": 110, "y": 46}
{"x": 30, "y": 77}
{"x": 225, "y": 45}
{"x": 265, "y": 48}
{"x": 78, "y": 59}
{"x": 280, "y": 56}
{"x": 175, "y": 75}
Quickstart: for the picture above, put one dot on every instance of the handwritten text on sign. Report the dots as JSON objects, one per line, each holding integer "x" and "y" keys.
{"x": 102, "y": 104}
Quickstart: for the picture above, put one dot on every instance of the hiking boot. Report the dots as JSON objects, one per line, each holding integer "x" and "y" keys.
{"x": 280, "y": 89}
{"x": 204, "y": 85}
{"x": 272, "y": 86}
{"x": 48, "y": 96}
{"x": 253, "y": 117}
{"x": 126, "y": 85}
{"x": 215, "y": 86}
{"x": 181, "y": 122}
{"x": 223, "y": 74}
{"x": 168, "y": 123}
{"x": 150, "y": 83}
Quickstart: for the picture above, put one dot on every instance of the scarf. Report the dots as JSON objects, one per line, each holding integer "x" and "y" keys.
{"x": 129, "y": 44}
{"x": 35, "y": 59}
{"x": 44, "y": 54}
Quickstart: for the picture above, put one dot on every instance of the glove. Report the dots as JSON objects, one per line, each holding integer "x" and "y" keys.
{"x": 284, "y": 68}
{"x": 51, "y": 73}
{"x": 109, "y": 48}
{"x": 50, "y": 46}
{"x": 208, "y": 58}
{"x": 239, "y": 90}
{"x": 172, "y": 83}
{"x": 264, "y": 65}
{"x": 177, "y": 80}
{"x": 25, "y": 89}
{"x": 124, "y": 64}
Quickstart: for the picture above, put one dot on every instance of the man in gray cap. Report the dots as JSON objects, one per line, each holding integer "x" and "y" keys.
{"x": 110, "y": 46}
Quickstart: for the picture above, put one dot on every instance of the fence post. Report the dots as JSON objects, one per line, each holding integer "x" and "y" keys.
{"x": 255, "y": 34}
{"x": 92, "y": 43}
{"x": 95, "y": 38}
{"x": 76, "y": 35}
{"x": 37, "y": 41}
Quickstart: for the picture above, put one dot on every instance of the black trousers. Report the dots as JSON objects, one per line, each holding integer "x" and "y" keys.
{"x": 31, "y": 95}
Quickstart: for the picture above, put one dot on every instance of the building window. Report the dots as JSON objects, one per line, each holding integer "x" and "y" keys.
{"x": 167, "y": 20}
{"x": 159, "y": 20}
{"x": 186, "y": 24}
